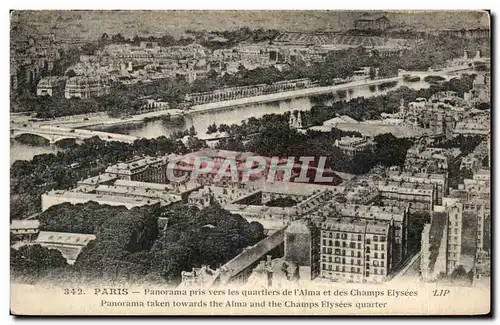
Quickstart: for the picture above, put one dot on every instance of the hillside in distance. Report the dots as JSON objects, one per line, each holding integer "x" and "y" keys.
{"x": 90, "y": 25}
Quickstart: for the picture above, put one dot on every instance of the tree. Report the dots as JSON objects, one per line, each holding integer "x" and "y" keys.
{"x": 118, "y": 38}
{"x": 104, "y": 40}
{"x": 89, "y": 49}
{"x": 224, "y": 128}
{"x": 459, "y": 273}
{"x": 390, "y": 150}
{"x": 212, "y": 128}
{"x": 372, "y": 73}
{"x": 136, "y": 40}
{"x": 483, "y": 106}
{"x": 232, "y": 144}
{"x": 416, "y": 222}
{"x": 35, "y": 261}
{"x": 211, "y": 236}
{"x": 195, "y": 144}
{"x": 70, "y": 73}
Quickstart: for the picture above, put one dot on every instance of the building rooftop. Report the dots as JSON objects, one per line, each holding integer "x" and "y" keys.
{"x": 406, "y": 190}
{"x": 170, "y": 188}
{"x": 377, "y": 227}
{"x": 483, "y": 173}
{"x": 51, "y": 81}
{"x": 351, "y": 140}
{"x": 135, "y": 164}
{"x": 99, "y": 179}
{"x": 344, "y": 224}
{"x": 24, "y": 224}
{"x": 364, "y": 211}
{"x": 409, "y": 176}
{"x": 102, "y": 199}
{"x": 261, "y": 210}
{"x": 298, "y": 227}
{"x": 86, "y": 81}
{"x": 294, "y": 188}
{"x": 374, "y": 128}
{"x": 216, "y": 153}
{"x": 138, "y": 192}
{"x": 64, "y": 238}
{"x": 339, "y": 119}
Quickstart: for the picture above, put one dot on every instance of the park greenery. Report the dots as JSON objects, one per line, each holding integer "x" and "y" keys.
{"x": 416, "y": 222}
{"x": 31, "y": 178}
{"x": 130, "y": 246}
{"x": 271, "y": 136}
{"x": 31, "y": 263}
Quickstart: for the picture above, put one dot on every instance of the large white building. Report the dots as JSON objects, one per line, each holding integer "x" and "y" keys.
{"x": 50, "y": 86}
{"x": 353, "y": 145}
{"x": 87, "y": 87}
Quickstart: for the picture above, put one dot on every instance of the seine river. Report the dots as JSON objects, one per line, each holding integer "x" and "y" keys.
{"x": 202, "y": 120}
{"x": 237, "y": 115}
{"x": 21, "y": 151}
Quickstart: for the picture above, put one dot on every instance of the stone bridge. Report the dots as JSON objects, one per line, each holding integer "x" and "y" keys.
{"x": 56, "y": 134}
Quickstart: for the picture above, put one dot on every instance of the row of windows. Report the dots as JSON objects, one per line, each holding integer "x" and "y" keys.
{"x": 358, "y": 254}
{"x": 337, "y": 250}
{"x": 341, "y": 269}
{"x": 342, "y": 261}
{"x": 376, "y": 247}
{"x": 329, "y": 248}
{"x": 352, "y": 237}
{"x": 472, "y": 207}
{"x": 338, "y": 260}
{"x": 352, "y": 270}
{"x": 375, "y": 255}
{"x": 331, "y": 275}
{"x": 343, "y": 244}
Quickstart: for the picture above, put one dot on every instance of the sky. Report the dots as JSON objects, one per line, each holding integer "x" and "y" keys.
{"x": 92, "y": 24}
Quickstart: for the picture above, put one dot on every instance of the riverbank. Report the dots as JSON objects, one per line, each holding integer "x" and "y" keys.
{"x": 103, "y": 120}
{"x": 167, "y": 122}
{"x": 307, "y": 92}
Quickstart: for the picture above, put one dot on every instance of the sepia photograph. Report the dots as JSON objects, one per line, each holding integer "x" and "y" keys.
{"x": 250, "y": 162}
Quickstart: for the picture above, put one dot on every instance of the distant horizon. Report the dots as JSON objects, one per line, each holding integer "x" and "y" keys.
{"x": 91, "y": 24}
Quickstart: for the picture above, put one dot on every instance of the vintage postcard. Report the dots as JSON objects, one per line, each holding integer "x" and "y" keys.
{"x": 250, "y": 162}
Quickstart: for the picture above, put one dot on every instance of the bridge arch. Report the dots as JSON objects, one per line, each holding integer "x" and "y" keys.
{"x": 32, "y": 138}
{"x": 63, "y": 141}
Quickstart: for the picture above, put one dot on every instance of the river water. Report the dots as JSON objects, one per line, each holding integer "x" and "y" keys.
{"x": 236, "y": 115}
{"x": 21, "y": 151}
{"x": 201, "y": 120}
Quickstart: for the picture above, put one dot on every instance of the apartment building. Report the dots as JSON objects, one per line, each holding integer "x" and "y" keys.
{"x": 355, "y": 250}
{"x": 87, "y": 87}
